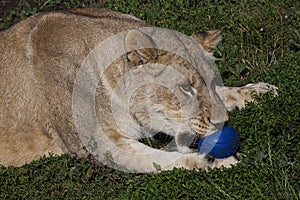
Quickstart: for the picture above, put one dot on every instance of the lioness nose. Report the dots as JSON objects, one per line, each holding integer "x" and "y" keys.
{"x": 219, "y": 118}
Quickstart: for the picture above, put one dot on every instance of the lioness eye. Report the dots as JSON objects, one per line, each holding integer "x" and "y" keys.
{"x": 187, "y": 89}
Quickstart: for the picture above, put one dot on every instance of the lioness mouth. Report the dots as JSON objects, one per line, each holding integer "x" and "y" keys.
{"x": 194, "y": 144}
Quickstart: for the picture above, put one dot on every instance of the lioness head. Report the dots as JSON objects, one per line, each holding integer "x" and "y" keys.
{"x": 170, "y": 94}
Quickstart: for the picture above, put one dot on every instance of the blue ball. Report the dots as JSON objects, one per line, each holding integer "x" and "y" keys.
{"x": 221, "y": 144}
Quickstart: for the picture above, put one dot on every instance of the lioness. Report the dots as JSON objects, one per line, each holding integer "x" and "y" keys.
{"x": 47, "y": 106}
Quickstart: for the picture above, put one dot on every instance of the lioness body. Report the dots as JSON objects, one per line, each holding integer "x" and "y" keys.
{"x": 39, "y": 61}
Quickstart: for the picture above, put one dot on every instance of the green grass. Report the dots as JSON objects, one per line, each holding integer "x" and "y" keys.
{"x": 261, "y": 43}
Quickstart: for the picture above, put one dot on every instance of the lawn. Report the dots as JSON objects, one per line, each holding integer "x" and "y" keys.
{"x": 261, "y": 42}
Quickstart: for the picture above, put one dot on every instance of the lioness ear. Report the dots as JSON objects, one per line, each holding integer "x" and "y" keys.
{"x": 139, "y": 46}
{"x": 209, "y": 39}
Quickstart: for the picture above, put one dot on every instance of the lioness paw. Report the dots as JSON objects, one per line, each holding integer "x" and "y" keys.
{"x": 225, "y": 162}
{"x": 196, "y": 161}
{"x": 262, "y": 87}
{"x": 238, "y": 97}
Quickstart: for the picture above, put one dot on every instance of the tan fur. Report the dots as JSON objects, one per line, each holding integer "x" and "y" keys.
{"x": 39, "y": 60}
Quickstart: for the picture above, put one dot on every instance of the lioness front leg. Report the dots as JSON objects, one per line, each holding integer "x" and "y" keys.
{"x": 135, "y": 156}
{"x": 238, "y": 97}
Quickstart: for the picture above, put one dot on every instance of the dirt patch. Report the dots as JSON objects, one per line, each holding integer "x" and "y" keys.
{"x": 6, "y": 6}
